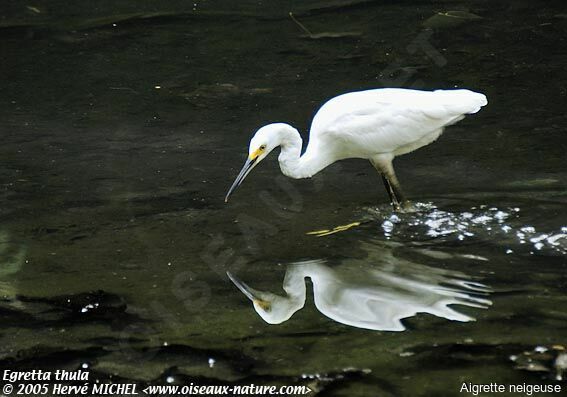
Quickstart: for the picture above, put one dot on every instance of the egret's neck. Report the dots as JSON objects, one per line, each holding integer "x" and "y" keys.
{"x": 294, "y": 286}
{"x": 291, "y": 162}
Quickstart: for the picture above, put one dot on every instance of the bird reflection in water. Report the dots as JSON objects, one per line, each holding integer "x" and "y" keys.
{"x": 371, "y": 297}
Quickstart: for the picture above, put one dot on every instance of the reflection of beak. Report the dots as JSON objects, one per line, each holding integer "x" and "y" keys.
{"x": 248, "y": 165}
{"x": 249, "y": 292}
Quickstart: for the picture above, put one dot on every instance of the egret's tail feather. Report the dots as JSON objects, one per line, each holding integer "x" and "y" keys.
{"x": 463, "y": 101}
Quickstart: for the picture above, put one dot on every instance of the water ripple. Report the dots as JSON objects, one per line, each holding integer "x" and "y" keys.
{"x": 503, "y": 225}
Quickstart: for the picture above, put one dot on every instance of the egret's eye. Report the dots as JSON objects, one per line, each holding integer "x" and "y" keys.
{"x": 263, "y": 147}
{"x": 266, "y": 306}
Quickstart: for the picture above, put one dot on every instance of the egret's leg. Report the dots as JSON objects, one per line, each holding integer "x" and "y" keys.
{"x": 397, "y": 197}
{"x": 395, "y": 184}
{"x": 393, "y": 199}
{"x": 404, "y": 204}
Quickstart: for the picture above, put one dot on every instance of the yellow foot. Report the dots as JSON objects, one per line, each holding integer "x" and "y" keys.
{"x": 326, "y": 232}
{"x": 406, "y": 207}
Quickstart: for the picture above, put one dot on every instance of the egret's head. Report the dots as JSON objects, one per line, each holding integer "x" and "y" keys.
{"x": 273, "y": 309}
{"x": 262, "y": 143}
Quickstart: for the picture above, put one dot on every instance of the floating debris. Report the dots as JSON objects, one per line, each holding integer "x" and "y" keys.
{"x": 337, "y": 229}
{"x": 324, "y": 35}
{"x": 550, "y": 359}
{"x": 450, "y": 19}
{"x": 33, "y": 9}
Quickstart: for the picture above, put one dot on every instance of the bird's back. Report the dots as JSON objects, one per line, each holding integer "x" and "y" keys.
{"x": 388, "y": 120}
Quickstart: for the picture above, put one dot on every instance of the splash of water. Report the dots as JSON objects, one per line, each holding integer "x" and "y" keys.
{"x": 480, "y": 222}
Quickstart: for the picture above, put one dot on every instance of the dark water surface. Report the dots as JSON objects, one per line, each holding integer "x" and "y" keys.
{"x": 123, "y": 126}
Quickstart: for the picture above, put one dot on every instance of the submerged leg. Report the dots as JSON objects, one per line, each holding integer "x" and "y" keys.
{"x": 397, "y": 197}
{"x": 393, "y": 199}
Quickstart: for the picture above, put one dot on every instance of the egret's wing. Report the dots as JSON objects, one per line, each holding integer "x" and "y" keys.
{"x": 358, "y": 309}
{"x": 380, "y": 310}
{"x": 387, "y": 119}
{"x": 393, "y": 298}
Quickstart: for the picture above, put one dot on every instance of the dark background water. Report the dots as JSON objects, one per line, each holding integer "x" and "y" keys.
{"x": 123, "y": 125}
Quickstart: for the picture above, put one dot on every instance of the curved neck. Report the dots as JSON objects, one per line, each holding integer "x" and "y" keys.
{"x": 291, "y": 162}
{"x": 294, "y": 282}
{"x": 295, "y": 288}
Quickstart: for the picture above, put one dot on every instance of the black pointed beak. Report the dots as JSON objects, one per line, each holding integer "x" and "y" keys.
{"x": 248, "y": 165}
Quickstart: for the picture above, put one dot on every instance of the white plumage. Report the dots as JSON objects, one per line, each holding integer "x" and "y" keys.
{"x": 369, "y": 296}
{"x": 377, "y": 125}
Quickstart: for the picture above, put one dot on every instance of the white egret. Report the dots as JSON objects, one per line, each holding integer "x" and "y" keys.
{"x": 370, "y": 297}
{"x": 377, "y": 125}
